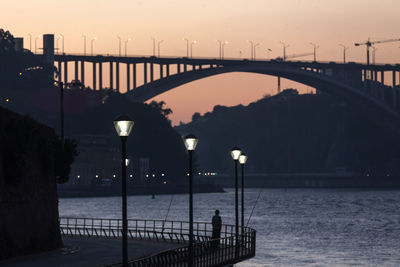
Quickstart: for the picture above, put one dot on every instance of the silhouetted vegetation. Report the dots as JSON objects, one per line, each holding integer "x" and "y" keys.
{"x": 294, "y": 133}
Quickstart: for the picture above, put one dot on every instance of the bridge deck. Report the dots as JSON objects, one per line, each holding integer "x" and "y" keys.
{"x": 86, "y": 252}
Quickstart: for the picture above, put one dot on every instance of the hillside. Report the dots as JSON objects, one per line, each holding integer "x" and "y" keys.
{"x": 293, "y": 133}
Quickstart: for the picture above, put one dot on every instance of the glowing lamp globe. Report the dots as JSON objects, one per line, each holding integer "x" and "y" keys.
{"x": 190, "y": 142}
{"x": 235, "y": 153}
{"x": 123, "y": 125}
{"x": 242, "y": 159}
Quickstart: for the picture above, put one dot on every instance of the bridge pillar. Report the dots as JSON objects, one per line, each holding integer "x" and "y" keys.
{"x": 179, "y": 68}
{"x": 161, "y": 71}
{"x": 184, "y": 67}
{"x": 151, "y": 72}
{"x": 59, "y": 71}
{"x": 76, "y": 70}
{"x": 200, "y": 67}
{"x": 117, "y": 76}
{"x": 382, "y": 85}
{"x": 94, "y": 76}
{"x": 134, "y": 76}
{"x": 111, "y": 75}
{"x": 100, "y": 75}
{"x": 394, "y": 97}
{"x": 145, "y": 72}
{"x": 65, "y": 73}
{"x": 167, "y": 70}
{"x": 83, "y": 73}
{"x": 128, "y": 77}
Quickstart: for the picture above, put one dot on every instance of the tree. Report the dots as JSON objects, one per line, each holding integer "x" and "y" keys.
{"x": 196, "y": 116}
{"x": 160, "y": 107}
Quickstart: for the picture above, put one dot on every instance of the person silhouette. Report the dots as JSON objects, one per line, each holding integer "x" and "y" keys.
{"x": 216, "y": 225}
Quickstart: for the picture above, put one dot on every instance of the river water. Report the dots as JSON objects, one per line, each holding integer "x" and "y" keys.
{"x": 295, "y": 227}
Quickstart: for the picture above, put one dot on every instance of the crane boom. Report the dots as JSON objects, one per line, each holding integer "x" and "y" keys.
{"x": 368, "y": 44}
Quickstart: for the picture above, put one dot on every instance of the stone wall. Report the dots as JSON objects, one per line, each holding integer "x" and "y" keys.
{"x": 28, "y": 190}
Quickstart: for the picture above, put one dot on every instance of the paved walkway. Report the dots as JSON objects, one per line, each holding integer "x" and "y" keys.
{"x": 89, "y": 251}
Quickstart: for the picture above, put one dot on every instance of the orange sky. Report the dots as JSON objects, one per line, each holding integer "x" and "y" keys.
{"x": 296, "y": 22}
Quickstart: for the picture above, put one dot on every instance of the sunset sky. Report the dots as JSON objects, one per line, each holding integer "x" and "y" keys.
{"x": 296, "y": 22}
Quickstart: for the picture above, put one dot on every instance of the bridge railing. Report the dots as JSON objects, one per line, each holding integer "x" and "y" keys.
{"x": 206, "y": 251}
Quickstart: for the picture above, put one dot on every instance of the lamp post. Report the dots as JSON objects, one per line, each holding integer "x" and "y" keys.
{"x": 223, "y": 48}
{"x": 190, "y": 143}
{"x": 158, "y": 47}
{"x": 119, "y": 45}
{"x": 123, "y": 126}
{"x": 62, "y": 37}
{"x": 242, "y": 161}
{"x": 254, "y": 53}
{"x": 57, "y": 39}
{"x": 126, "y": 45}
{"x": 91, "y": 45}
{"x": 154, "y": 46}
{"x": 235, "y": 153}
{"x": 252, "y": 48}
{"x": 315, "y": 46}
{"x": 84, "y": 44}
{"x": 373, "y": 54}
{"x": 268, "y": 51}
{"x": 284, "y": 50}
{"x": 37, "y": 37}
{"x": 220, "y": 48}
{"x": 191, "y": 48}
{"x": 187, "y": 46}
{"x": 344, "y": 52}
{"x": 30, "y": 42}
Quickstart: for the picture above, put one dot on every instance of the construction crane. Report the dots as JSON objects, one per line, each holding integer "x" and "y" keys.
{"x": 368, "y": 44}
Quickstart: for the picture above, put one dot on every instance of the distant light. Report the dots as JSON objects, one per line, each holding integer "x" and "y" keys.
{"x": 199, "y": 173}
{"x": 131, "y": 175}
{"x": 20, "y": 73}
{"x": 55, "y": 83}
{"x": 147, "y": 175}
{"x": 97, "y": 176}
{"x": 7, "y": 100}
{"x": 154, "y": 175}
{"x": 114, "y": 176}
{"x": 187, "y": 174}
{"x": 162, "y": 174}
{"x": 78, "y": 176}
{"x": 165, "y": 182}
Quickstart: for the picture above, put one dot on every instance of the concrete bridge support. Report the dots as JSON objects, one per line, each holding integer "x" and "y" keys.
{"x": 112, "y": 75}
{"x": 83, "y": 72}
{"x": 117, "y": 76}
{"x": 145, "y": 72}
{"x": 94, "y": 76}
{"x": 76, "y": 70}
{"x": 65, "y": 72}
{"x": 128, "y": 77}
{"x": 59, "y": 71}
{"x": 134, "y": 76}
{"x": 100, "y": 75}
{"x": 152, "y": 72}
{"x": 394, "y": 95}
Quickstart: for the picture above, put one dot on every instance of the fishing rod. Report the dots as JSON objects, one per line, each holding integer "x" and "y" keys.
{"x": 255, "y": 203}
{"x": 169, "y": 207}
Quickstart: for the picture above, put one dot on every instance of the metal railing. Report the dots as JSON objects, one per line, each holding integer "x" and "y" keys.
{"x": 207, "y": 252}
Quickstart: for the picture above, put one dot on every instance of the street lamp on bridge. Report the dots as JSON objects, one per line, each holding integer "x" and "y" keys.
{"x": 344, "y": 52}
{"x": 254, "y": 53}
{"x": 158, "y": 46}
{"x": 284, "y": 50}
{"x": 84, "y": 44}
{"x": 187, "y": 46}
{"x": 315, "y": 46}
{"x": 126, "y": 45}
{"x": 191, "y": 48}
{"x": 268, "y": 51}
{"x": 223, "y": 49}
{"x": 62, "y": 42}
{"x": 36, "y": 38}
{"x": 252, "y": 48}
{"x": 30, "y": 42}
{"x": 123, "y": 126}
{"x": 91, "y": 45}
{"x": 190, "y": 143}
{"x": 119, "y": 44}
{"x": 235, "y": 153}
{"x": 220, "y": 48}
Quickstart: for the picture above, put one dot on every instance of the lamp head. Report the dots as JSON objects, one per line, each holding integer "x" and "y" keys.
{"x": 123, "y": 125}
{"x": 235, "y": 153}
{"x": 190, "y": 142}
{"x": 242, "y": 159}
